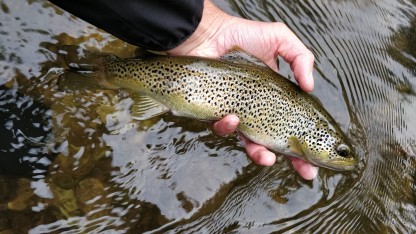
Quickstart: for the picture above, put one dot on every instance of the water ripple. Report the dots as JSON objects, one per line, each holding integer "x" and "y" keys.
{"x": 359, "y": 55}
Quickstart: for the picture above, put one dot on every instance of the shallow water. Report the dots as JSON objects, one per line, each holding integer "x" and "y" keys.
{"x": 75, "y": 162}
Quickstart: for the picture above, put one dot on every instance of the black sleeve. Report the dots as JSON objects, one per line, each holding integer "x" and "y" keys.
{"x": 150, "y": 24}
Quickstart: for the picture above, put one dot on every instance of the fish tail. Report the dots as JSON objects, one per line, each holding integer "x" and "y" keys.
{"x": 84, "y": 71}
{"x": 83, "y": 60}
{"x": 71, "y": 80}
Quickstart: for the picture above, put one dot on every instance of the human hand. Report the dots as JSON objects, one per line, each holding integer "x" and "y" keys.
{"x": 219, "y": 32}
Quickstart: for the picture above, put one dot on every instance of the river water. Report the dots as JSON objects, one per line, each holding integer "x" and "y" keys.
{"x": 76, "y": 162}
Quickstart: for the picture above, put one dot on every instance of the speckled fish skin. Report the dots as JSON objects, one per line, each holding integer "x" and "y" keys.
{"x": 273, "y": 111}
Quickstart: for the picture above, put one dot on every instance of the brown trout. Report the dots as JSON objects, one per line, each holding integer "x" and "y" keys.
{"x": 273, "y": 111}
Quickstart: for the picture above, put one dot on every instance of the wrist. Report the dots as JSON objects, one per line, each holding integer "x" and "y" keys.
{"x": 202, "y": 42}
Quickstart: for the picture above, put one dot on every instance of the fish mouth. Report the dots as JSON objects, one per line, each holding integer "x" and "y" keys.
{"x": 337, "y": 164}
{"x": 344, "y": 164}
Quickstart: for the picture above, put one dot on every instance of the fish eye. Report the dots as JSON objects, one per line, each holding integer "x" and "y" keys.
{"x": 343, "y": 150}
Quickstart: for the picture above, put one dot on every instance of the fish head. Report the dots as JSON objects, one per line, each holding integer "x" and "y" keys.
{"x": 325, "y": 145}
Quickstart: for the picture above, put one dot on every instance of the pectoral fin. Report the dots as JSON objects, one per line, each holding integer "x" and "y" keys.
{"x": 295, "y": 146}
{"x": 145, "y": 107}
{"x": 300, "y": 148}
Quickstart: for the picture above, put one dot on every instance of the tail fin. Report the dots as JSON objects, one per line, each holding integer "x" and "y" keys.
{"x": 83, "y": 72}
{"x": 71, "y": 80}
{"x": 83, "y": 60}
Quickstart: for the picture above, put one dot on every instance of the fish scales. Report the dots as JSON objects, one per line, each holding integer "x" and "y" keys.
{"x": 273, "y": 111}
{"x": 271, "y": 108}
{"x": 218, "y": 89}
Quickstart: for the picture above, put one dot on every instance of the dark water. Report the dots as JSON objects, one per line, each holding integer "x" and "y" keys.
{"x": 76, "y": 162}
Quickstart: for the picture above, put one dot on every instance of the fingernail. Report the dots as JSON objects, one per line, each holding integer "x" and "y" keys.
{"x": 310, "y": 76}
{"x": 314, "y": 171}
{"x": 231, "y": 126}
{"x": 310, "y": 81}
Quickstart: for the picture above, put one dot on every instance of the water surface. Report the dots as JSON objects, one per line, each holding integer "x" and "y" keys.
{"x": 76, "y": 161}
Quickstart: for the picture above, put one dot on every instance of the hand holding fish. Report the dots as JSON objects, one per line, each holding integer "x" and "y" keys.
{"x": 219, "y": 32}
{"x": 268, "y": 109}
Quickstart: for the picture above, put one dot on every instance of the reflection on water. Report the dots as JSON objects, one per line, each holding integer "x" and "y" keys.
{"x": 77, "y": 162}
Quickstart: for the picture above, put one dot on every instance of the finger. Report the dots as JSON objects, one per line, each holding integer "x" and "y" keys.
{"x": 302, "y": 67}
{"x": 226, "y": 125}
{"x": 273, "y": 64}
{"x": 259, "y": 154}
{"x": 305, "y": 170}
{"x": 294, "y": 52}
